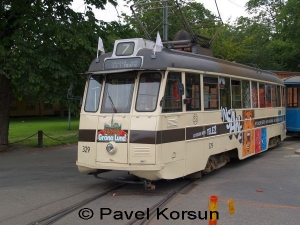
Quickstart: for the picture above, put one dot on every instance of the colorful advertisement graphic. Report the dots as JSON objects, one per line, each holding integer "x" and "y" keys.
{"x": 264, "y": 139}
{"x": 249, "y": 133}
{"x": 257, "y": 141}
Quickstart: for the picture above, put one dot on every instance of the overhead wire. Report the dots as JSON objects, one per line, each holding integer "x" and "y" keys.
{"x": 236, "y": 4}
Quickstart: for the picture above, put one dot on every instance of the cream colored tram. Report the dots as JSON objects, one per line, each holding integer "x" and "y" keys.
{"x": 170, "y": 114}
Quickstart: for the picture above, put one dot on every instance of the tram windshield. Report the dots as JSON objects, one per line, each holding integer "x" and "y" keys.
{"x": 117, "y": 97}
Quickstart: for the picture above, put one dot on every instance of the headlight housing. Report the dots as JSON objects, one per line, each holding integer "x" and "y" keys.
{"x": 111, "y": 148}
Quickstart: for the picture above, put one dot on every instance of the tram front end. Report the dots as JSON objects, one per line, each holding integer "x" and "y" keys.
{"x": 120, "y": 113}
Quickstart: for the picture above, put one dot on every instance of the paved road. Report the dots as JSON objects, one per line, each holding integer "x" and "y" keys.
{"x": 37, "y": 182}
{"x": 265, "y": 188}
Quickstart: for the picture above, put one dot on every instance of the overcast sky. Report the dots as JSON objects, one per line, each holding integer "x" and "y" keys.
{"x": 229, "y": 9}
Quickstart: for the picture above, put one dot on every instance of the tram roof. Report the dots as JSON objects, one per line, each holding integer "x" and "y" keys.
{"x": 293, "y": 80}
{"x": 169, "y": 58}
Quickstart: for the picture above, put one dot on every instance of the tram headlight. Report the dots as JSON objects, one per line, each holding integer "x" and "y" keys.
{"x": 111, "y": 148}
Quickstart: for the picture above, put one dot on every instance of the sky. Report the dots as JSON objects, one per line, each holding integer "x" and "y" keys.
{"x": 229, "y": 9}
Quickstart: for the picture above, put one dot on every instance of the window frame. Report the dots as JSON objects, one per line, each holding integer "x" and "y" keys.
{"x": 158, "y": 91}
{"x": 87, "y": 93}
{"x": 167, "y": 89}
{"x": 132, "y": 75}
{"x": 193, "y": 100}
{"x": 217, "y": 98}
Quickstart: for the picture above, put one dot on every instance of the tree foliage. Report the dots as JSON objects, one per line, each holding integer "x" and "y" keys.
{"x": 268, "y": 40}
{"x": 279, "y": 23}
{"x": 150, "y": 13}
{"x": 44, "y": 45}
{"x": 289, "y": 20}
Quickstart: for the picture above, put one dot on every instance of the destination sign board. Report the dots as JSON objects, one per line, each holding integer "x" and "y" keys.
{"x": 124, "y": 63}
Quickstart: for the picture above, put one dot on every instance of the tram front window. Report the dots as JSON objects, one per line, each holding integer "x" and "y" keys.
{"x": 118, "y": 91}
{"x": 148, "y": 92}
{"x": 93, "y": 94}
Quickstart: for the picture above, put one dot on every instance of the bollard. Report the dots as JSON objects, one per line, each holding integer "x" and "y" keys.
{"x": 40, "y": 139}
{"x": 213, "y": 210}
{"x": 231, "y": 206}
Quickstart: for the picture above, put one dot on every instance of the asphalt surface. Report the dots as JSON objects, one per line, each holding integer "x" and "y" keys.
{"x": 265, "y": 189}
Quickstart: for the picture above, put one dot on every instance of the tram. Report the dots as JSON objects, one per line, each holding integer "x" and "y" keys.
{"x": 168, "y": 114}
{"x": 293, "y": 105}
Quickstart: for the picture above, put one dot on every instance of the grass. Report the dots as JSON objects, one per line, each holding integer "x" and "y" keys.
{"x": 54, "y": 127}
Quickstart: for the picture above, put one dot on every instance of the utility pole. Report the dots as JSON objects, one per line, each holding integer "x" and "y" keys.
{"x": 165, "y": 22}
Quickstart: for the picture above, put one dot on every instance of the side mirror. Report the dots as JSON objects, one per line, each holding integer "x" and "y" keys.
{"x": 161, "y": 101}
{"x": 180, "y": 89}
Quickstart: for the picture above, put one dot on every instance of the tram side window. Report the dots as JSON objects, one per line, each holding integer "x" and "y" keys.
{"x": 148, "y": 92}
{"x": 262, "y": 96}
{"x": 246, "y": 94}
{"x": 254, "y": 95}
{"x": 172, "y": 101}
{"x": 292, "y": 97}
{"x": 225, "y": 96}
{"x": 278, "y": 97}
{"x": 236, "y": 94}
{"x": 93, "y": 94}
{"x": 192, "y": 83}
{"x": 268, "y": 96}
{"x": 274, "y": 95}
{"x": 211, "y": 95}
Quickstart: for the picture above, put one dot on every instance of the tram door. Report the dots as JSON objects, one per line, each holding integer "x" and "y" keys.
{"x": 114, "y": 120}
{"x": 173, "y": 127}
{"x": 293, "y": 109}
{"x": 194, "y": 151}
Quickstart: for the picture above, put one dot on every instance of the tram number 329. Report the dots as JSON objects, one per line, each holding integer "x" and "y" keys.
{"x": 86, "y": 149}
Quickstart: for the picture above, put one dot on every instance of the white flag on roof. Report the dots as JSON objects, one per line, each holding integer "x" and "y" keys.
{"x": 100, "y": 47}
{"x": 158, "y": 44}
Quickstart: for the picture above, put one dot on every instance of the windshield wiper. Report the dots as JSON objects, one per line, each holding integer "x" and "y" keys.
{"x": 112, "y": 103}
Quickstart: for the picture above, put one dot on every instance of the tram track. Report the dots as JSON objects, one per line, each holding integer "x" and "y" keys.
{"x": 117, "y": 190}
{"x": 54, "y": 217}
{"x": 153, "y": 209}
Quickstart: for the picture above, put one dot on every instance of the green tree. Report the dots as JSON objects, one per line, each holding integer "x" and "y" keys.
{"x": 281, "y": 21}
{"x": 150, "y": 13}
{"x": 229, "y": 44}
{"x": 266, "y": 12}
{"x": 288, "y": 44}
{"x": 246, "y": 41}
{"x": 44, "y": 44}
{"x": 257, "y": 41}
